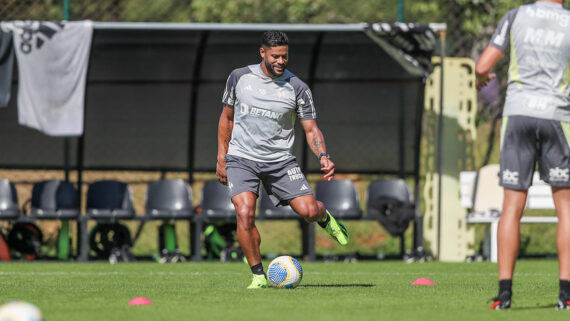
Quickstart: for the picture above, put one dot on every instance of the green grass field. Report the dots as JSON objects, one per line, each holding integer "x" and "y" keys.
{"x": 329, "y": 291}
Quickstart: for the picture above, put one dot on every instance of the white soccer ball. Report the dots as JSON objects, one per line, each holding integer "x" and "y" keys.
{"x": 284, "y": 272}
{"x": 20, "y": 311}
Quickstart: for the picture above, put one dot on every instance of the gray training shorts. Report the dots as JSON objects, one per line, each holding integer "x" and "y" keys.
{"x": 528, "y": 140}
{"x": 282, "y": 180}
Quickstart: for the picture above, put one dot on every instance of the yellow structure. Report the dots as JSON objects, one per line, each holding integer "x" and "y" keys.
{"x": 449, "y": 237}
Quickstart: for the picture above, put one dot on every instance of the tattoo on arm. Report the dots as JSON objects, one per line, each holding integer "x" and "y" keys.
{"x": 316, "y": 144}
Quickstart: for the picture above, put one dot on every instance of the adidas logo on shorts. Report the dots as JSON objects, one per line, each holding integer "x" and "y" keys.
{"x": 304, "y": 187}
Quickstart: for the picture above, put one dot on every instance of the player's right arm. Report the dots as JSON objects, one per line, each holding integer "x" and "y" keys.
{"x": 226, "y": 123}
{"x": 486, "y": 62}
{"x": 498, "y": 45}
{"x": 225, "y": 127}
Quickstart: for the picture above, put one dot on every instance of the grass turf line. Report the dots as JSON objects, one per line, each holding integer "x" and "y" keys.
{"x": 329, "y": 291}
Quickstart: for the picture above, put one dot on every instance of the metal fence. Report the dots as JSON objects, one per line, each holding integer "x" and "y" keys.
{"x": 104, "y": 10}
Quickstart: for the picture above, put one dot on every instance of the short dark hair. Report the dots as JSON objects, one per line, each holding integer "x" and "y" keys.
{"x": 274, "y": 38}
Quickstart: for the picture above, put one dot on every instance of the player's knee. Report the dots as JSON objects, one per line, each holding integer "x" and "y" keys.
{"x": 309, "y": 211}
{"x": 245, "y": 216}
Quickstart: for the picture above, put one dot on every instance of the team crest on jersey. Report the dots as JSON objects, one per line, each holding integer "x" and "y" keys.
{"x": 510, "y": 177}
{"x": 244, "y": 109}
{"x": 559, "y": 174}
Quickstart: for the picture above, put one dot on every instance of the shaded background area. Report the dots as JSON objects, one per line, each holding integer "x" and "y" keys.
{"x": 153, "y": 103}
{"x": 470, "y": 25}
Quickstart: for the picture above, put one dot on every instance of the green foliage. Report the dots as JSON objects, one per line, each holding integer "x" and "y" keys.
{"x": 470, "y": 22}
{"x": 294, "y": 11}
{"x": 254, "y": 11}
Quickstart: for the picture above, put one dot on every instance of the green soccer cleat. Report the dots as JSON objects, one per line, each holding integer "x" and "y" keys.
{"x": 258, "y": 281}
{"x": 337, "y": 230}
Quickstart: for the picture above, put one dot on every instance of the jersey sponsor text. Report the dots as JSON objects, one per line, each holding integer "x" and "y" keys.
{"x": 259, "y": 112}
{"x": 538, "y": 103}
{"x": 511, "y": 178}
{"x": 540, "y": 13}
{"x": 559, "y": 174}
{"x": 295, "y": 174}
{"x": 543, "y": 37}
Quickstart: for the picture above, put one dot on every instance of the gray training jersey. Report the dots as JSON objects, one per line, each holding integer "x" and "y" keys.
{"x": 264, "y": 113}
{"x": 539, "y": 72}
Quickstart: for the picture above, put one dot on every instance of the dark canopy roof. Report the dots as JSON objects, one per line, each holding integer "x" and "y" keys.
{"x": 154, "y": 96}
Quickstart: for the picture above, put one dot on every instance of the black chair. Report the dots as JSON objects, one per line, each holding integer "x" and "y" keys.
{"x": 216, "y": 201}
{"x": 8, "y": 200}
{"x": 340, "y": 198}
{"x": 389, "y": 201}
{"x": 169, "y": 199}
{"x": 269, "y": 211}
{"x": 110, "y": 199}
{"x": 54, "y": 199}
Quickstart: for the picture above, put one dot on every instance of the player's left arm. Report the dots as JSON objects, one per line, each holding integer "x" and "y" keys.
{"x": 316, "y": 142}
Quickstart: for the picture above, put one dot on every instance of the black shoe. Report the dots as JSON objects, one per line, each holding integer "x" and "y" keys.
{"x": 126, "y": 254}
{"x": 501, "y": 302}
{"x": 563, "y": 303}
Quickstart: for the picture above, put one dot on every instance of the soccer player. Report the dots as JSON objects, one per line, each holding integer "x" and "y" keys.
{"x": 535, "y": 128}
{"x": 255, "y": 139}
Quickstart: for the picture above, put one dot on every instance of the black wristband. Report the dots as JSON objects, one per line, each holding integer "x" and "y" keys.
{"x": 325, "y": 155}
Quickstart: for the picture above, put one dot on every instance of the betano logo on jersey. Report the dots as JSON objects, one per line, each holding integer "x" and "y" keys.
{"x": 559, "y": 174}
{"x": 259, "y": 112}
{"x": 510, "y": 177}
{"x": 561, "y": 18}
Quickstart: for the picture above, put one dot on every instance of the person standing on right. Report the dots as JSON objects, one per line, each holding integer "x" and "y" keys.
{"x": 535, "y": 128}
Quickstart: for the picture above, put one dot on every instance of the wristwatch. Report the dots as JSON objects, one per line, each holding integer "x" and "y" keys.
{"x": 325, "y": 155}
